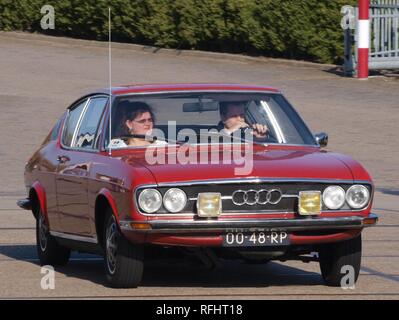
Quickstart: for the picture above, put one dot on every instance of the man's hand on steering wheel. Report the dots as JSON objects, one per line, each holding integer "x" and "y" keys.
{"x": 259, "y": 130}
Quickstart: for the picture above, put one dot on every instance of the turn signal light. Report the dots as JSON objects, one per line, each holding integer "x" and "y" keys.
{"x": 369, "y": 221}
{"x": 140, "y": 226}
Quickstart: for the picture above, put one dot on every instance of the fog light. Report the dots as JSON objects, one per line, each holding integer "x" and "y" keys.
{"x": 209, "y": 204}
{"x": 309, "y": 203}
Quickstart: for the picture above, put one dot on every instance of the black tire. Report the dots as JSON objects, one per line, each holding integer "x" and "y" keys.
{"x": 334, "y": 256}
{"x": 48, "y": 249}
{"x": 123, "y": 260}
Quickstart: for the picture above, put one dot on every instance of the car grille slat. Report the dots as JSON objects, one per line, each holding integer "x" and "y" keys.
{"x": 287, "y": 204}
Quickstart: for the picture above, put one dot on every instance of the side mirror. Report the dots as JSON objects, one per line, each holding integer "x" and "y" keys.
{"x": 322, "y": 139}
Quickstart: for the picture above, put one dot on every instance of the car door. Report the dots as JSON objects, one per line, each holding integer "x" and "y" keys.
{"x": 45, "y": 168}
{"x": 75, "y": 159}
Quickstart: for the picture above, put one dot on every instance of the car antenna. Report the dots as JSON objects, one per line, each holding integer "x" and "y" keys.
{"x": 110, "y": 77}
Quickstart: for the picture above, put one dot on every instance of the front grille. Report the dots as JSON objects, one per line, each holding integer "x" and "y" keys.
{"x": 287, "y": 203}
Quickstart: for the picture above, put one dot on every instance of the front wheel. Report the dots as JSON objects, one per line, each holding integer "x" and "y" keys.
{"x": 123, "y": 260}
{"x": 48, "y": 250}
{"x": 339, "y": 260}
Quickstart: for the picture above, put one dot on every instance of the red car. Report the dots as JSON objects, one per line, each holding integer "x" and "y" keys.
{"x": 227, "y": 171}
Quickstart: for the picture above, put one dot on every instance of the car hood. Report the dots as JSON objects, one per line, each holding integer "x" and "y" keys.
{"x": 283, "y": 163}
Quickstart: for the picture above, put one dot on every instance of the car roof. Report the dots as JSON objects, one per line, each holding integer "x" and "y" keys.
{"x": 181, "y": 87}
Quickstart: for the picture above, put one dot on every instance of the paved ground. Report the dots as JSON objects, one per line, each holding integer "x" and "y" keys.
{"x": 40, "y": 76}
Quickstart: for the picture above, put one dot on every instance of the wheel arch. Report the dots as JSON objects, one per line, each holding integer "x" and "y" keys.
{"x": 37, "y": 196}
{"x": 103, "y": 202}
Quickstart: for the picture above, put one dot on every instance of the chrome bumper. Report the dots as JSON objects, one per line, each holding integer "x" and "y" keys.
{"x": 299, "y": 224}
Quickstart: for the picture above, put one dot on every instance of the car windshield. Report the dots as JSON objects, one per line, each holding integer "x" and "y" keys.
{"x": 203, "y": 118}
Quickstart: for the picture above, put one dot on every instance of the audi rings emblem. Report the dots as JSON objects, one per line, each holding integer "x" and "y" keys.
{"x": 253, "y": 197}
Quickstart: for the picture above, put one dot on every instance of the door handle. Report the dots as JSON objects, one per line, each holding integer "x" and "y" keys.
{"x": 63, "y": 159}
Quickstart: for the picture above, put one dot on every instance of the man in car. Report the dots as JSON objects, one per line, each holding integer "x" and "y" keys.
{"x": 232, "y": 116}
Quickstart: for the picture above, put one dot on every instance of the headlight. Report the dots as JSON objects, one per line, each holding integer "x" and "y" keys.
{"x": 334, "y": 197}
{"x": 150, "y": 200}
{"x": 174, "y": 200}
{"x": 357, "y": 196}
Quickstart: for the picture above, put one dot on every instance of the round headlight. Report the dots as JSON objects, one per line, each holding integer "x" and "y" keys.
{"x": 150, "y": 200}
{"x": 174, "y": 200}
{"x": 357, "y": 196}
{"x": 334, "y": 197}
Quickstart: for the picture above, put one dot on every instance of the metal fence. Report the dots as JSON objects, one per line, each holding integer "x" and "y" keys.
{"x": 384, "y": 35}
{"x": 384, "y": 38}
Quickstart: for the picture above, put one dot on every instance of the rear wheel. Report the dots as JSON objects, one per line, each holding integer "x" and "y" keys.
{"x": 336, "y": 257}
{"x": 123, "y": 260}
{"x": 48, "y": 250}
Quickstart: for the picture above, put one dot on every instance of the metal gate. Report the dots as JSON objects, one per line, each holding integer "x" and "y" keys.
{"x": 384, "y": 42}
{"x": 384, "y": 37}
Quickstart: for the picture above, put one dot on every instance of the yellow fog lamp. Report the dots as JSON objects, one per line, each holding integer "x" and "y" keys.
{"x": 309, "y": 203}
{"x": 209, "y": 204}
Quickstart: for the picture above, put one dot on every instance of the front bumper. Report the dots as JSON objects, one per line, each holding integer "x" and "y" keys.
{"x": 243, "y": 225}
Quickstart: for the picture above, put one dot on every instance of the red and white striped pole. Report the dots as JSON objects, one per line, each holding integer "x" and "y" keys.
{"x": 363, "y": 39}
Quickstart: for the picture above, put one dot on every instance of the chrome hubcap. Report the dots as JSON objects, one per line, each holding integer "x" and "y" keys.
{"x": 111, "y": 246}
{"x": 43, "y": 233}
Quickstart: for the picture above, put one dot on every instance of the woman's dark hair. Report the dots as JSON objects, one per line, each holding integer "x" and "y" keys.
{"x": 130, "y": 111}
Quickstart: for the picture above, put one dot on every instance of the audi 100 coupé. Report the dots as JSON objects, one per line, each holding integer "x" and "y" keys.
{"x": 228, "y": 171}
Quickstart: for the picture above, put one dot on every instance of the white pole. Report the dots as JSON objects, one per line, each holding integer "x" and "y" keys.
{"x": 364, "y": 39}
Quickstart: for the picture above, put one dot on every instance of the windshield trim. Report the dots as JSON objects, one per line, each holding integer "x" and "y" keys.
{"x": 194, "y": 91}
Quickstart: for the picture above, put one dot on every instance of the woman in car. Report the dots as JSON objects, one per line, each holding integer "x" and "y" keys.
{"x": 136, "y": 126}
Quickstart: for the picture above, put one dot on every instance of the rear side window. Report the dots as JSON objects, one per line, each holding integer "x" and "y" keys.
{"x": 88, "y": 129}
{"x": 56, "y": 129}
{"x": 72, "y": 123}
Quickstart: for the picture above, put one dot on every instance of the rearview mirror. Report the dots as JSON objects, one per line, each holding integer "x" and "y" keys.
{"x": 322, "y": 139}
{"x": 200, "y": 106}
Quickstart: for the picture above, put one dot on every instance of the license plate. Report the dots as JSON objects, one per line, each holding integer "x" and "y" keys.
{"x": 256, "y": 239}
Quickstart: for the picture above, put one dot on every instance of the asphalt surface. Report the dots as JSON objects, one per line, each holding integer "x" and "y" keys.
{"x": 40, "y": 76}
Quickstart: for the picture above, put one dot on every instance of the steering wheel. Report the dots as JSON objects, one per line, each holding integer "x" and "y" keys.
{"x": 269, "y": 137}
